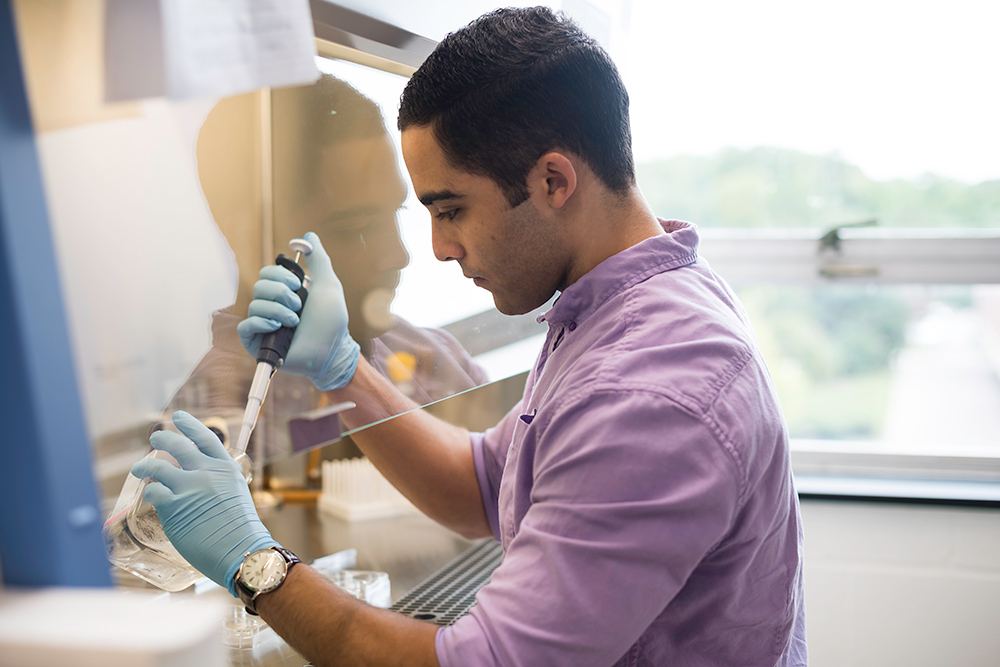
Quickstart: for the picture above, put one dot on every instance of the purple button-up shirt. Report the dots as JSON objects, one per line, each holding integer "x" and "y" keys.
{"x": 642, "y": 487}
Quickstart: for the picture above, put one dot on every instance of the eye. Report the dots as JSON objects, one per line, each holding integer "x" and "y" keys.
{"x": 447, "y": 215}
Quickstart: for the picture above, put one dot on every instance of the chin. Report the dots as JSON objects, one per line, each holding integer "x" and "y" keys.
{"x": 520, "y": 307}
{"x": 510, "y": 311}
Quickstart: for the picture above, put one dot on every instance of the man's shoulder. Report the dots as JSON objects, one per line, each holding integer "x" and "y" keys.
{"x": 681, "y": 335}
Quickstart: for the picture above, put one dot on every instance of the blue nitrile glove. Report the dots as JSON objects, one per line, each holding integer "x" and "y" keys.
{"x": 205, "y": 506}
{"x": 322, "y": 349}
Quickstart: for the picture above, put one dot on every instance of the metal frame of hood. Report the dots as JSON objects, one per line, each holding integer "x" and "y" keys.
{"x": 350, "y": 35}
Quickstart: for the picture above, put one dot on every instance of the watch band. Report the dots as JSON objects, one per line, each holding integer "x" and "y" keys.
{"x": 248, "y": 596}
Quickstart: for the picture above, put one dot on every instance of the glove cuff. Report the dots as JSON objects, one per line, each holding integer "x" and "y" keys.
{"x": 341, "y": 370}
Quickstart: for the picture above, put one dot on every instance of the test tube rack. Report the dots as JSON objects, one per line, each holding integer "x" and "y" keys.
{"x": 354, "y": 490}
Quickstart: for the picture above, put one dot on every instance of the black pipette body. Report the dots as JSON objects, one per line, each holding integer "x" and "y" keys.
{"x": 274, "y": 345}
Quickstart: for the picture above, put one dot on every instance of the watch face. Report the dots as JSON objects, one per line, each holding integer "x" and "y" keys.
{"x": 263, "y": 569}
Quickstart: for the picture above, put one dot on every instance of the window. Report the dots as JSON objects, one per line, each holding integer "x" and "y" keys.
{"x": 841, "y": 171}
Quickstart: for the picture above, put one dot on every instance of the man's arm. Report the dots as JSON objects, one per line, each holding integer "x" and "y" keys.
{"x": 429, "y": 460}
{"x": 329, "y": 627}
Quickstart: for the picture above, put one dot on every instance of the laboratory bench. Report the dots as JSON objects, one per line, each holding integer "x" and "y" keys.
{"x": 408, "y": 548}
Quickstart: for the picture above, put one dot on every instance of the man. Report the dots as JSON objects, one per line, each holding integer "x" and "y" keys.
{"x": 641, "y": 489}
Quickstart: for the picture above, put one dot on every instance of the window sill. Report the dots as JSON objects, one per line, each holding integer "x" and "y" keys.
{"x": 919, "y": 491}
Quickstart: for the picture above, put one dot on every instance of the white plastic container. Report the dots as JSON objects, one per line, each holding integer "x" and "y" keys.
{"x": 86, "y": 627}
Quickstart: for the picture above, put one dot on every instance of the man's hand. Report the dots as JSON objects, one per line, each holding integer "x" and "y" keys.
{"x": 322, "y": 349}
{"x": 204, "y": 506}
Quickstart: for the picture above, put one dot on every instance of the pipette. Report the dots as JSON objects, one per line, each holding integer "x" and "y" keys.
{"x": 273, "y": 349}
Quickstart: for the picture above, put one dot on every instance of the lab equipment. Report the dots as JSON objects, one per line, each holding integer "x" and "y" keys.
{"x": 372, "y": 587}
{"x": 273, "y": 347}
{"x": 133, "y": 534}
{"x": 44, "y": 627}
{"x": 354, "y": 490}
{"x": 450, "y": 592}
{"x": 205, "y": 506}
{"x": 135, "y": 540}
{"x": 324, "y": 351}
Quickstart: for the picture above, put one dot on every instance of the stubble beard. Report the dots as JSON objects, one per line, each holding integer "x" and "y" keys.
{"x": 532, "y": 259}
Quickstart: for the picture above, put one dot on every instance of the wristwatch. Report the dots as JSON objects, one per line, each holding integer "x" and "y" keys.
{"x": 262, "y": 571}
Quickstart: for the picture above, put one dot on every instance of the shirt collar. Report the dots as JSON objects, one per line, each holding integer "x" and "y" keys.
{"x": 678, "y": 247}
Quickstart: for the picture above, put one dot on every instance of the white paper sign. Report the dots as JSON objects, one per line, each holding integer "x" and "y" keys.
{"x": 206, "y": 48}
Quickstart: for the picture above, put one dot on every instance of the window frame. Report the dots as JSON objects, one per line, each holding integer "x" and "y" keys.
{"x": 841, "y": 469}
{"x": 880, "y": 256}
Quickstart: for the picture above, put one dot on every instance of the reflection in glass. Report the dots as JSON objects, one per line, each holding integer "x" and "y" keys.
{"x": 335, "y": 172}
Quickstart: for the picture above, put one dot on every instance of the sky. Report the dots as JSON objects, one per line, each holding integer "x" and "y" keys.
{"x": 898, "y": 88}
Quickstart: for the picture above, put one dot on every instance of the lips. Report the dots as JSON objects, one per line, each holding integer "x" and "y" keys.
{"x": 479, "y": 281}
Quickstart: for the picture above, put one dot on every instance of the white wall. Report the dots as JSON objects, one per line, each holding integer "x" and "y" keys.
{"x": 895, "y": 584}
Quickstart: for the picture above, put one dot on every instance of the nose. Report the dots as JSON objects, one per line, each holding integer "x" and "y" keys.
{"x": 446, "y": 246}
{"x": 396, "y": 258}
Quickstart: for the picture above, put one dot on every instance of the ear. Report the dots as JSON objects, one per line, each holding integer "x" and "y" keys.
{"x": 557, "y": 177}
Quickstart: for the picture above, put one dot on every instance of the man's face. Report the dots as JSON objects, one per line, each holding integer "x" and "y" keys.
{"x": 354, "y": 214}
{"x": 517, "y": 254}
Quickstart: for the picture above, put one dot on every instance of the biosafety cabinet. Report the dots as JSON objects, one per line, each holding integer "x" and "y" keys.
{"x": 136, "y": 211}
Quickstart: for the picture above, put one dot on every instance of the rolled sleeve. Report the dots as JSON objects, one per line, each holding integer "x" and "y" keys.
{"x": 489, "y": 453}
{"x": 486, "y": 487}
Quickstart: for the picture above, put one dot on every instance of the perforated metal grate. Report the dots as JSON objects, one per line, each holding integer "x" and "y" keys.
{"x": 449, "y": 593}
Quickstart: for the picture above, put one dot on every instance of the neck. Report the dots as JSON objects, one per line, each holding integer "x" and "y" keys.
{"x": 609, "y": 224}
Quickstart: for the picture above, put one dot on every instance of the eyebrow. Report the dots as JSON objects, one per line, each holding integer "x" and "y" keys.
{"x": 431, "y": 197}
